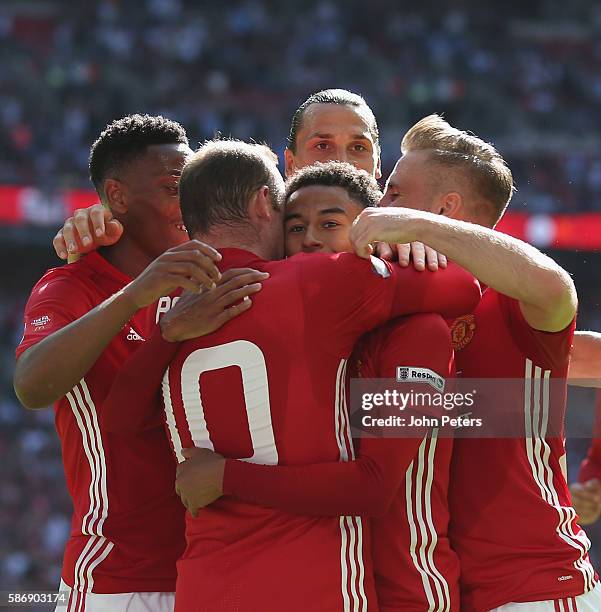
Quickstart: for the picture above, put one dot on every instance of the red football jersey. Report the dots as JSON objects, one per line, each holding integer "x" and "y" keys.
{"x": 414, "y": 565}
{"x": 127, "y": 529}
{"x": 415, "y": 568}
{"x": 269, "y": 387}
{"x": 512, "y": 523}
{"x": 591, "y": 466}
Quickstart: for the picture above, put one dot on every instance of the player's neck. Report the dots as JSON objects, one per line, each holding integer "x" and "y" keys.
{"x": 235, "y": 240}
{"x": 127, "y": 257}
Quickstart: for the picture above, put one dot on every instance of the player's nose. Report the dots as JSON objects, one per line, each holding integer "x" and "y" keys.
{"x": 311, "y": 243}
{"x": 342, "y": 155}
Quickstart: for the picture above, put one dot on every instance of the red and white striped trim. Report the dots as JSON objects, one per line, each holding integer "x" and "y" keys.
{"x": 566, "y": 605}
{"x": 97, "y": 547}
{"x": 176, "y": 440}
{"x": 351, "y": 527}
{"x": 536, "y": 413}
{"x": 424, "y": 537}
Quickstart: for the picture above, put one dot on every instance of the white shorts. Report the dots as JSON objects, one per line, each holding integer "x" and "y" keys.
{"x": 589, "y": 602}
{"x": 115, "y": 602}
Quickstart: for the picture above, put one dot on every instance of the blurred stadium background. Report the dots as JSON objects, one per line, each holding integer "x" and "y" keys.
{"x": 525, "y": 75}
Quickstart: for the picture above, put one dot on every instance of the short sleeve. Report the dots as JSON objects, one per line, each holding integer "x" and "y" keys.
{"x": 57, "y": 300}
{"x": 550, "y": 349}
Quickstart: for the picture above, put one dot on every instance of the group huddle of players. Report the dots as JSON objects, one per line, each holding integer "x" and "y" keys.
{"x": 218, "y": 314}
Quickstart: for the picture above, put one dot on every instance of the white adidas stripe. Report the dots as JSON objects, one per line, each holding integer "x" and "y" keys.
{"x": 420, "y": 519}
{"x": 413, "y": 534}
{"x": 96, "y": 562}
{"x": 93, "y": 515}
{"x": 344, "y": 565}
{"x": 538, "y": 451}
{"x": 80, "y": 579}
{"x": 102, "y": 457}
{"x": 353, "y": 560}
{"x": 338, "y": 411}
{"x": 97, "y": 547}
{"x": 91, "y": 461}
{"x": 351, "y": 536}
{"x": 445, "y": 601}
{"x": 76, "y": 574}
{"x": 176, "y": 440}
{"x": 361, "y": 565}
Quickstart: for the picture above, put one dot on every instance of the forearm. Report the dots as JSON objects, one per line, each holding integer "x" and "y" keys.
{"x": 363, "y": 487}
{"x": 508, "y": 265}
{"x": 585, "y": 360}
{"x": 451, "y": 293}
{"x": 48, "y": 370}
{"x": 326, "y": 489}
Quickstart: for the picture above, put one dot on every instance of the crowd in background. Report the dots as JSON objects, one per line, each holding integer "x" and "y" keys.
{"x": 530, "y": 82}
{"x": 528, "y": 79}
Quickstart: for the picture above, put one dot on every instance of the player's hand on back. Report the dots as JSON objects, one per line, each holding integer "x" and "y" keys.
{"x": 586, "y": 500}
{"x": 197, "y": 315}
{"x": 87, "y": 230}
{"x": 190, "y": 266}
{"x": 199, "y": 480}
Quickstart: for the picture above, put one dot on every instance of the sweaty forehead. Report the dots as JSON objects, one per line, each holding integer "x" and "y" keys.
{"x": 335, "y": 119}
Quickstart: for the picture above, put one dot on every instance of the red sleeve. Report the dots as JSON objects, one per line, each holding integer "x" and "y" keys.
{"x": 367, "y": 485}
{"x": 361, "y": 294}
{"x": 137, "y": 386}
{"x": 551, "y": 349}
{"x": 591, "y": 466}
{"x": 58, "y": 299}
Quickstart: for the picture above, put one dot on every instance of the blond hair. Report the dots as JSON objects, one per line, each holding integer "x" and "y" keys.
{"x": 482, "y": 163}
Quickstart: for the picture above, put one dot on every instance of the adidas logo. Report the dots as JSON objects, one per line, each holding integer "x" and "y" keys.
{"x": 133, "y": 335}
{"x": 41, "y": 321}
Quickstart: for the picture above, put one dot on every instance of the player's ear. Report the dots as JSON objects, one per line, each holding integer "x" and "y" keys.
{"x": 115, "y": 196}
{"x": 260, "y": 206}
{"x": 289, "y": 162}
{"x": 450, "y": 205}
{"x": 379, "y": 168}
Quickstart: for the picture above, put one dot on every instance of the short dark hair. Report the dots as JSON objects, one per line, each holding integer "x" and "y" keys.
{"x": 341, "y": 97}
{"x": 218, "y": 181}
{"x": 125, "y": 139}
{"x": 360, "y": 186}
